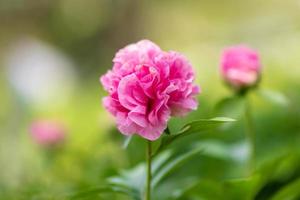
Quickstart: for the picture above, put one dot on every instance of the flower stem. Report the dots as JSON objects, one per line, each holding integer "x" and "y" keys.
{"x": 149, "y": 176}
{"x": 250, "y": 134}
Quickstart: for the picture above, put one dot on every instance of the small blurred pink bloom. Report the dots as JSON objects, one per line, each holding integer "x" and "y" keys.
{"x": 240, "y": 67}
{"x": 47, "y": 133}
{"x": 146, "y": 87}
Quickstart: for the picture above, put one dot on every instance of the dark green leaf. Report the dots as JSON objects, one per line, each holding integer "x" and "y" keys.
{"x": 233, "y": 189}
{"x": 100, "y": 190}
{"x": 172, "y": 165}
{"x": 277, "y": 174}
{"x": 160, "y": 160}
{"x": 193, "y": 128}
{"x": 201, "y": 189}
{"x": 289, "y": 192}
{"x": 243, "y": 188}
{"x": 132, "y": 179}
{"x": 203, "y": 125}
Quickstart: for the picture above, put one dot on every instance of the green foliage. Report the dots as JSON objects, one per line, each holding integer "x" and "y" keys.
{"x": 132, "y": 181}
{"x": 259, "y": 186}
{"x": 171, "y": 165}
{"x": 193, "y": 127}
{"x": 231, "y": 106}
{"x": 289, "y": 192}
{"x": 274, "y": 97}
{"x": 97, "y": 191}
{"x": 163, "y": 165}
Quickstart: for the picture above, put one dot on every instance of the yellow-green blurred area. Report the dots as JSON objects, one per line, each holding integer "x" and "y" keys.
{"x": 52, "y": 53}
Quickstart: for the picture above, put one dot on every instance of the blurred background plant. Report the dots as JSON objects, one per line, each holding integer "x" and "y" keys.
{"x": 53, "y": 52}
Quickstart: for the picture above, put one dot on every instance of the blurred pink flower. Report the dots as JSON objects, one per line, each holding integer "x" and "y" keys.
{"x": 47, "y": 133}
{"x": 240, "y": 67}
{"x": 146, "y": 87}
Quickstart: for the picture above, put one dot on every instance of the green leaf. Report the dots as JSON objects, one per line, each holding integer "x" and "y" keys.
{"x": 237, "y": 152}
{"x": 172, "y": 165}
{"x": 201, "y": 189}
{"x": 100, "y": 190}
{"x": 131, "y": 179}
{"x": 127, "y": 141}
{"x": 243, "y": 188}
{"x": 231, "y": 107}
{"x": 160, "y": 160}
{"x": 274, "y": 97}
{"x": 289, "y": 192}
{"x": 282, "y": 170}
{"x": 203, "y": 125}
{"x": 193, "y": 128}
{"x": 232, "y": 189}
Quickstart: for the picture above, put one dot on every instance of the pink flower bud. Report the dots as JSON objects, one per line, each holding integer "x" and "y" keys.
{"x": 240, "y": 67}
{"x": 146, "y": 87}
{"x": 47, "y": 133}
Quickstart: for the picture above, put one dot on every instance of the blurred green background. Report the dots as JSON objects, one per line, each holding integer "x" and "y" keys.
{"x": 52, "y": 53}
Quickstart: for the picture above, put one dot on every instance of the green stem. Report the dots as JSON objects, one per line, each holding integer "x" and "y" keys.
{"x": 250, "y": 134}
{"x": 149, "y": 176}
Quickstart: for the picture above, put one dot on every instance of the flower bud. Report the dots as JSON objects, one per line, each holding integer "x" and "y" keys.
{"x": 47, "y": 133}
{"x": 240, "y": 67}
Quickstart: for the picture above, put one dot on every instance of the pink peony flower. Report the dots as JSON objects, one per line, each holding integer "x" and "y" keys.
{"x": 146, "y": 87}
{"x": 47, "y": 133}
{"x": 240, "y": 67}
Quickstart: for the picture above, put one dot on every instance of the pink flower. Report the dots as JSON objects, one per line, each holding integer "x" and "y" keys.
{"x": 240, "y": 67}
{"x": 146, "y": 87}
{"x": 47, "y": 133}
